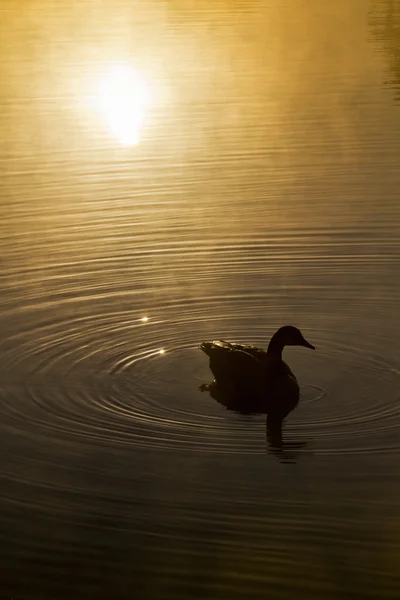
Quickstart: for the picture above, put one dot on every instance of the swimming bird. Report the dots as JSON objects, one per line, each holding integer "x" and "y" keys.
{"x": 250, "y": 379}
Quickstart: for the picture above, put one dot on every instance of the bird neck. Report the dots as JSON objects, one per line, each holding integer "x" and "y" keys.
{"x": 275, "y": 347}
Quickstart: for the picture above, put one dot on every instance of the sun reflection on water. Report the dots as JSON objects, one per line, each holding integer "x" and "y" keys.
{"x": 122, "y": 99}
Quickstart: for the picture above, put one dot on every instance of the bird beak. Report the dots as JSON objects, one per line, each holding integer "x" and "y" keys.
{"x": 307, "y": 344}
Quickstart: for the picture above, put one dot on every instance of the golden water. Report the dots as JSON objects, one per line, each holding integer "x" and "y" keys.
{"x": 242, "y": 173}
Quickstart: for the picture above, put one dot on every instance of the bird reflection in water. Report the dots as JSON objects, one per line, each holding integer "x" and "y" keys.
{"x": 286, "y": 450}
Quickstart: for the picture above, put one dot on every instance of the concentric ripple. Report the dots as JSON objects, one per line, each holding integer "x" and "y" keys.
{"x": 119, "y": 381}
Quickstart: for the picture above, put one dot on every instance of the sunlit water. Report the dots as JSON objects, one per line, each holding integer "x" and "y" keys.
{"x": 261, "y": 188}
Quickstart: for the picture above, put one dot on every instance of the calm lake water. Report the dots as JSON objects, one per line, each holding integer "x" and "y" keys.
{"x": 243, "y": 174}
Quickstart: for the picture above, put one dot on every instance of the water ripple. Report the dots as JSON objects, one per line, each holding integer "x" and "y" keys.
{"x": 115, "y": 380}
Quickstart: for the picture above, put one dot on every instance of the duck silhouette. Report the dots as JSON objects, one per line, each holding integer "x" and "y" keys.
{"x": 250, "y": 380}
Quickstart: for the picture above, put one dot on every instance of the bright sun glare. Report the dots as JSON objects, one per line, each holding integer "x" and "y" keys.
{"x": 123, "y": 98}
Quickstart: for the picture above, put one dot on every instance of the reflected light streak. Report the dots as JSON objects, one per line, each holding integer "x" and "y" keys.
{"x": 122, "y": 99}
{"x": 144, "y": 319}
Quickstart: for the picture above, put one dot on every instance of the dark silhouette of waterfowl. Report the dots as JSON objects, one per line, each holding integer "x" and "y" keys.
{"x": 251, "y": 380}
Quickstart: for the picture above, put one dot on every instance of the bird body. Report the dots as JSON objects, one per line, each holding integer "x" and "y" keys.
{"x": 256, "y": 380}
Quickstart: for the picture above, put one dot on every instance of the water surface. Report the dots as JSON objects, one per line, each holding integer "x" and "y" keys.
{"x": 263, "y": 190}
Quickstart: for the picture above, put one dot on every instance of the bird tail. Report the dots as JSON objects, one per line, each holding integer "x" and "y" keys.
{"x": 206, "y": 347}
